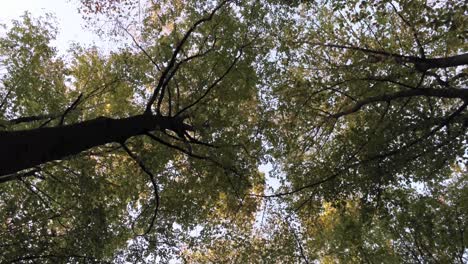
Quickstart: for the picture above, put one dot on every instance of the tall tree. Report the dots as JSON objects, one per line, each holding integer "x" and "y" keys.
{"x": 151, "y": 152}
{"x": 181, "y": 114}
{"x": 370, "y": 107}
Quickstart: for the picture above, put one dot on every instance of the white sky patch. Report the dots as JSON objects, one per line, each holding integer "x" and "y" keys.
{"x": 271, "y": 182}
{"x": 70, "y": 23}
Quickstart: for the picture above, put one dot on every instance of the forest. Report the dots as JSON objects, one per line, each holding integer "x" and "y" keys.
{"x": 237, "y": 131}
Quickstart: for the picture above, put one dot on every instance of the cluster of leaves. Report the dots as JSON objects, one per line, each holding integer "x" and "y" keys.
{"x": 365, "y": 136}
{"x": 347, "y": 136}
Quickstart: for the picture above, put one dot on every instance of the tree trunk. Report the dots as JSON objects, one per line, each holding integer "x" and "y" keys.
{"x": 429, "y": 92}
{"x": 426, "y": 64}
{"x": 28, "y": 148}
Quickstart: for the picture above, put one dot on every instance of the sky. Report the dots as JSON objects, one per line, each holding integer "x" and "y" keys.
{"x": 71, "y": 29}
{"x": 70, "y": 22}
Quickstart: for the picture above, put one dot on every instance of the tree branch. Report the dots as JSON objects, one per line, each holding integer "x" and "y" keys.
{"x": 176, "y": 53}
{"x": 153, "y": 181}
{"x": 15, "y": 176}
{"x": 211, "y": 86}
{"x": 415, "y": 35}
{"x": 28, "y": 148}
{"x": 429, "y": 92}
{"x": 72, "y": 106}
{"x": 421, "y": 64}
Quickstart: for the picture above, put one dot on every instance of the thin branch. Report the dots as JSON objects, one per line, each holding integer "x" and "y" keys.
{"x": 298, "y": 242}
{"x": 176, "y": 53}
{"x": 198, "y": 142}
{"x": 444, "y": 123}
{"x": 67, "y": 257}
{"x": 190, "y": 140}
{"x": 33, "y": 118}
{"x": 421, "y": 64}
{"x": 177, "y": 102}
{"x": 429, "y": 92}
{"x": 415, "y": 35}
{"x": 438, "y": 79}
{"x": 376, "y": 157}
{"x": 192, "y": 155}
{"x": 72, "y": 106}
{"x": 211, "y": 86}
{"x": 5, "y": 98}
{"x": 100, "y": 89}
{"x": 153, "y": 181}
{"x": 173, "y": 72}
{"x": 141, "y": 48}
{"x": 390, "y": 80}
{"x": 189, "y": 58}
{"x": 167, "y": 144}
{"x": 15, "y": 176}
{"x": 169, "y": 94}
{"x": 402, "y": 58}
{"x": 51, "y": 117}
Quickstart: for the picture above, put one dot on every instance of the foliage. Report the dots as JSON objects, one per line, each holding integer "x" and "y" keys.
{"x": 358, "y": 107}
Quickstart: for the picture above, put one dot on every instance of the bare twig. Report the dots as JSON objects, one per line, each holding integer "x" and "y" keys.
{"x": 415, "y": 35}
{"x": 141, "y": 48}
{"x": 72, "y": 106}
{"x": 207, "y": 91}
{"x": 298, "y": 241}
{"x": 153, "y": 181}
{"x": 178, "y": 48}
{"x": 5, "y": 98}
{"x": 429, "y": 92}
{"x": 14, "y": 176}
{"x": 421, "y": 64}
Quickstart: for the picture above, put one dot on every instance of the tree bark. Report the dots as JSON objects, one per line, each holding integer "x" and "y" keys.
{"x": 28, "y": 148}
{"x": 430, "y": 92}
{"x": 421, "y": 64}
{"x": 435, "y": 63}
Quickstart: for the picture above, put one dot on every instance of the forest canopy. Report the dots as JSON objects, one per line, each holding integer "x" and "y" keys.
{"x": 264, "y": 131}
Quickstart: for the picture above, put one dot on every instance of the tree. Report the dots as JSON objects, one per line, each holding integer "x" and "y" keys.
{"x": 358, "y": 119}
{"x": 151, "y": 152}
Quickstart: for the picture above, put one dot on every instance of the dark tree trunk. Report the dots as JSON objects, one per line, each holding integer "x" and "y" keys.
{"x": 429, "y": 92}
{"x": 28, "y": 148}
{"x": 426, "y": 64}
